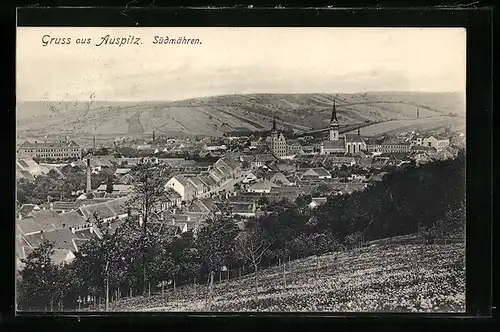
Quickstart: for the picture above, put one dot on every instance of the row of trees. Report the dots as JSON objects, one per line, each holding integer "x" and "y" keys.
{"x": 428, "y": 199}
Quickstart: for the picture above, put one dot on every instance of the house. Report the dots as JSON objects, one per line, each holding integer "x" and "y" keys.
{"x": 106, "y": 211}
{"x": 250, "y": 178}
{"x": 261, "y": 160}
{"x": 29, "y": 165}
{"x": 208, "y": 182}
{"x": 242, "y": 209}
{"x": 280, "y": 179}
{"x": 294, "y": 149}
{"x": 62, "y": 256}
{"x": 121, "y": 171}
{"x": 182, "y": 186}
{"x": 317, "y": 201}
{"x": 198, "y": 184}
{"x": 316, "y": 173}
{"x": 290, "y": 192}
{"x": 117, "y": 188}
{"x": 126, "y": 179}
{"x": 63, "y": 238}
{"x": 43, "y": 220}
{"x": 262, "y": 187}
{"x": 23, "y": 175}
{"x": 26, "y": 209}
{"x": 437, "y": 142}
{"x": 57, "y": 150}
{"x": 422, "y": 148}
{"x": 215, "y": 147}
{"x": 338, "y": 161}
{"x": 286, "y": 167}
{"x": 394, "y": 145}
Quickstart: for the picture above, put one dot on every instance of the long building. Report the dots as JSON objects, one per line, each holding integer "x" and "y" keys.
{"x": 55, "y": 150}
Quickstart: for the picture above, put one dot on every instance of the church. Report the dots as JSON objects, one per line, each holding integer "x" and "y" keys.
{"x": 348, "y": 143}
{"x": 277, "y": 142}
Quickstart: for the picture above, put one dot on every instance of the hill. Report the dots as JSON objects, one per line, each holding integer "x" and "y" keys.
{"x": 389, "y": 275}
{"x": 212, "y": 116}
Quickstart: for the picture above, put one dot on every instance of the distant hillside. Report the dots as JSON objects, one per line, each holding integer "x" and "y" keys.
{"x": 212, "y": 116}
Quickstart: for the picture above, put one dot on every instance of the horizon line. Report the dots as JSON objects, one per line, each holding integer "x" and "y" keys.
{"x": 242, "y": 94}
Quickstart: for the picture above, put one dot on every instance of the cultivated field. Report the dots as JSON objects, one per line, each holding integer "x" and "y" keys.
{"x": 423, "y": 125}
{"x": 389, "y": 277}
{"x": 215, "y": 115}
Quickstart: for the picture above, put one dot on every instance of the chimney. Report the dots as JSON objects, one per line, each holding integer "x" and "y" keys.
{"x": 153, "y": 136}
{"x": 89, "y": 183}
{"x": 359, "y": 131}
{"x": 94, "y": 143}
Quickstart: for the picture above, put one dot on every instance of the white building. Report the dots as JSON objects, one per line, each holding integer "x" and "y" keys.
{"x": 182, "y": 186}
{"x": 437, "y": 142}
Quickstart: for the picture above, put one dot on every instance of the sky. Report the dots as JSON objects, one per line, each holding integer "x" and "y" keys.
{"x": 236, "y": 61}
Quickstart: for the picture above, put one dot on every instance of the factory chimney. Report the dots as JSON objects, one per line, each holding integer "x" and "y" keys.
{"x": 89, "y": 183}
{"x": 94, "y": 143}
{"x": 359, "y": 131}
{"x": 153, "y": 136}
{"x": 418, "y": 115}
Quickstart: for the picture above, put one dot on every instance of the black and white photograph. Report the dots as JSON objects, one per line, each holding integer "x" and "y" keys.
{"x": 223, "y": 169}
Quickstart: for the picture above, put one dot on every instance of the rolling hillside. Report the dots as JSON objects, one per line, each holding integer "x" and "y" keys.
{"x": 389, "y": 275}
{"x": 212, "y": 116}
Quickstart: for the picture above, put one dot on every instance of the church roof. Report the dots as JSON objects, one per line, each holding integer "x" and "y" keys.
{"x": 334, "y": 113}
{"x": 333, "y": 144}
{"x": 353, "y": 138}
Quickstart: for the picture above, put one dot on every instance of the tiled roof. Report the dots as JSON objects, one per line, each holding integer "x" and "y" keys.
{"x": 63, "y": 205}
{"x": 72, "y": 218}
{"x": 50, "y": 144}
{"x": 62, "y": 238}
{"x": 330, "y": 145}
{"x": 207, "y": 180}
{"x": 353, "y": 138}
{"x": 195, "y": 181}
{"x": 59, "y": 256}
{"x": 47, "y": 219}
{"x": 122, "y": 170}
{"x": 126, "y": 179}
{"x": 321, "y": 171}
{"x": 241, "y": 207}
{"x": 302, "y": 189}
{"x": 26, "y": 209}
{"x": 266, "y": 184}
{"x": 101, "y": 209}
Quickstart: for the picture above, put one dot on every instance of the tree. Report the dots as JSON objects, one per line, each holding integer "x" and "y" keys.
{"x": 109, "y": 185}
{"x": 38, "y": 285}
{"x": 215, "y": 244}
{"x": 251, "y": 245}
{"x": 321, "y": 190}
{"x": 148, "y": 194}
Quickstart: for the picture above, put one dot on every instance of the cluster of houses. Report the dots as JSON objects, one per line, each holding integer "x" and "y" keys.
{"x": 197, "y": 191}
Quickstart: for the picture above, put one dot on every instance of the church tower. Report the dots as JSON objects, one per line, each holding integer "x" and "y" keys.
{"x": 334, "y": 125}
{"x": 277, "y": 142}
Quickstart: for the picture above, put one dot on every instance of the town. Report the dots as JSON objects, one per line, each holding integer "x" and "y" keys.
{"x": 64, "y": 189}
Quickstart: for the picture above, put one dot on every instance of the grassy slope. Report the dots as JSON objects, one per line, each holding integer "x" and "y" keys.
{"x": 213, "y": 115}
{"x": 381, "y": 277}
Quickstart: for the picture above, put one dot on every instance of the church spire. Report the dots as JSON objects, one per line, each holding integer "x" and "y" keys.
{"x": 334, "y": 113}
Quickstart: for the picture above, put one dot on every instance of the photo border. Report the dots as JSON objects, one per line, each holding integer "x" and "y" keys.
{"x": 479, "y": 128}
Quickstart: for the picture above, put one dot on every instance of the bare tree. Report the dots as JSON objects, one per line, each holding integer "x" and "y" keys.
{"x": 251, "y": 245}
